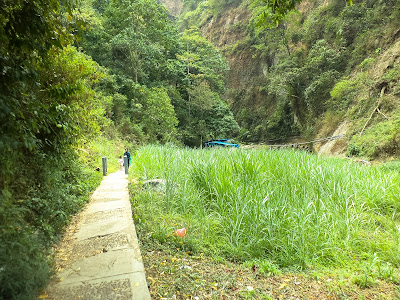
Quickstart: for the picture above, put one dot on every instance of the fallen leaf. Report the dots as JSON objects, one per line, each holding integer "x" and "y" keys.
{"x": 282, "y": 286}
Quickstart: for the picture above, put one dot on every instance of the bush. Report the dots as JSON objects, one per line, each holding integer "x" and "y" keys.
{"x": 353, "y": 150}
{"x": 343, "y": 94}
{"x": 24, "y": 265}
{"x": 36, "y": 203}
{"x": 317, "y": 93}
{"x": 379, "y": 140}
{"x": 32, "y": 217}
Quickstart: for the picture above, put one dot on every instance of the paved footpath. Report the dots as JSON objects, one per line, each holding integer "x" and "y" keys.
{"x": 99, "y": 258}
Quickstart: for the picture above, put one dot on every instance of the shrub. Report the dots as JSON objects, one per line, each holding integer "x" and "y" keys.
{"x": 380, "y": 139}
{"x": 344, "y": 93}
{"x": 353, "y": 150}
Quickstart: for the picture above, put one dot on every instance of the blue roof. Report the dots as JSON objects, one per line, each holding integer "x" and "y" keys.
{"x": 221, "y": 142}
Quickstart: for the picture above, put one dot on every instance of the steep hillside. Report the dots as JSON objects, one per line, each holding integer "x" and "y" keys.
{"x": 174, "y": 6}
{"x": 326, "y": 66}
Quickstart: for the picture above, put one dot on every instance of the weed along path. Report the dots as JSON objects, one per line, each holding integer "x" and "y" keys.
{"x": 99, "y": 258}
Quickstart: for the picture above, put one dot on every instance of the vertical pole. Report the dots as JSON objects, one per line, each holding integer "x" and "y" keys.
{"x": 126, "y": 164}
{"x": 104, "y": 159}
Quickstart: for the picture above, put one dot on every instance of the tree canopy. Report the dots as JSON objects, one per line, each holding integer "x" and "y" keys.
{"x": 141, "y": 47}
{"x": 274, "y": 11}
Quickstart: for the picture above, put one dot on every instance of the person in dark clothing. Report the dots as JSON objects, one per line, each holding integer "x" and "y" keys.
{"x": 128, "y": 155}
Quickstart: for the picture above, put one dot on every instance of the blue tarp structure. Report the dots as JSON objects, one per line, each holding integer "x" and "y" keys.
{"x": 220, "y": 143}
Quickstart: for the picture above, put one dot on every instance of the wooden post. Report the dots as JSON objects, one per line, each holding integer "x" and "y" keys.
{"x": 126, "y": 164}
{"x": 104, "y": 159}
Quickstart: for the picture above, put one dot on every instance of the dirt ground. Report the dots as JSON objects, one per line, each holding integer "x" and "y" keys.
{"x": 181, "y": 275}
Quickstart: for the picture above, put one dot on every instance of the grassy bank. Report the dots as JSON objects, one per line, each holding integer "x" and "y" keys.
{"x": 278, "y": 209}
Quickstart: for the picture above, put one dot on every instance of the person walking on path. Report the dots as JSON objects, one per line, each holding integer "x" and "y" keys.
{"x": 121, "y": 162}
{"x": 128, "y": 155}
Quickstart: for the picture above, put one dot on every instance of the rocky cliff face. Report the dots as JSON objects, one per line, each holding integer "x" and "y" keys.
{"x": 247, "y": 75}
{"x": 173, "y": 6}
{"x": 226, "y": 31}
{"x": 313, "y": 74}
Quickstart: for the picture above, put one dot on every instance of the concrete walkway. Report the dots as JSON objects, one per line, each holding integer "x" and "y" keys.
{"x": 99, "y": 258}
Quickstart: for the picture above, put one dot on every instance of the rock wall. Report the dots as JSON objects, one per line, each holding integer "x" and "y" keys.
{"x": 173, "y": 6}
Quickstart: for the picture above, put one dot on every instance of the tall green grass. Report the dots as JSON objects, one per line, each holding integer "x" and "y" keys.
{"x": 292, "y": 208}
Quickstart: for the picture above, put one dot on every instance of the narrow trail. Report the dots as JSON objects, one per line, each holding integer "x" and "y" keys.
{"x": 99, "y": 257}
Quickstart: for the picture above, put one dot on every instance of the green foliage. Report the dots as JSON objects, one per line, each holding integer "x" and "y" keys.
{"x": 203, "y": 60}
{"x": 194, "y": 14}
{"x": 91, "y": 153}
{"x": 348, "y": 28}
{"x": 263, "y": 267}
{"x": 24, "y": 266}
{"x": 272, "y": 12}
{"x": 45, "y": 30}
{"x": 380, "y": 139}
{"x": 48, "y": 107}
{"x": 157, "y": 114}
{"x": 318, "y": 91}
{"x": 113, "y": 41}
{"x": 366, "y": 280}
{"x": 343, "y": 93}
{"x": 303, "y": 88}
{"x": 353, "y": 150}
{"x": 275, "y": 11}
{"x": 265, "y": 207}
{"x": 34, "y": 209}
{"x": 197, "y": 12}
{"x": 304, "y": 67}
{"x": 154, "y": 67}
{"x": 204, "y": 115}
{"x": 209, "y": 117}
{"x": 55, "y": 101}
{"x": 391, "y": 166}
{"x": 392, "y": 74}
{"x": 141, "y": 39}
{"x": 306, "y": 63}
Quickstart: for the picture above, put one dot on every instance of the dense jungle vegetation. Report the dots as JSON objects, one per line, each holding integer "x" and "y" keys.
{"x": 84, "y": 79}
{"x": 326, "y": 63}
{"x": 81, "y": 81}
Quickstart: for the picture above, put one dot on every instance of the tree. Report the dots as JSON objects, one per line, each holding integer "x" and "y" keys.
{"x": 202, "y": 60}
{"x": 134, "y": 39}
{"x": 156, "y": 113}
{"x": 203, "y": 110}
{"x": 274, "y": 11}
{"x": 47, "y": 106}
{"x": 138, "y": 43}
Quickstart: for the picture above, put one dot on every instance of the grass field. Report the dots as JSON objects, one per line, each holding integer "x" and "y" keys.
{"x": 276, "y": 210}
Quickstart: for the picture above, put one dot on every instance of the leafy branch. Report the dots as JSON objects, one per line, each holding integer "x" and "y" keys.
{"x": 274, "y": 11}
